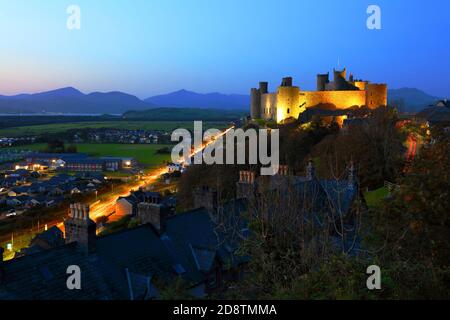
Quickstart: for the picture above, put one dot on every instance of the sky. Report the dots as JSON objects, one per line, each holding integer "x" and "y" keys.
{"x": 149, "y": 47}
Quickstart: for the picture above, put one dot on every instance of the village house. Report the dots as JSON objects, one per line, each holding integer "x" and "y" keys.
{"x": 133, "y": 264}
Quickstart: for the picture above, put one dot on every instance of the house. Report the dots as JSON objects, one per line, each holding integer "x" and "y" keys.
{"x": 53, "y": 160}
{"x": 131, "y": 264}
{"x": 129, "y": 205}
{"x": 323, "y": 200}
{"x": 443, "y": 103}
{"x": 126, "y": 206}
{"x": 119, "y": 163}
{"x": 85, "y": 165}
{"x": 46, "y": 240}
{"x": 173, "y": 167}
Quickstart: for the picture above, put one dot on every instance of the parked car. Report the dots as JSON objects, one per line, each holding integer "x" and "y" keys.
{"x": 11, "y": 213}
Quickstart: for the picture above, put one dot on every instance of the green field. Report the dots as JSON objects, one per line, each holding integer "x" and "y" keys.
{"x": 144, "y": 153}
{"x": 375, "y": 198}
{"x": 131, "y": 125}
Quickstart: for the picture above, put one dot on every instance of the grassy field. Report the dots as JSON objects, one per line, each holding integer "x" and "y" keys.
{"x": 131, "y": 125}
{"x": 374, "y": 198}
{"x": 144, "y": 153}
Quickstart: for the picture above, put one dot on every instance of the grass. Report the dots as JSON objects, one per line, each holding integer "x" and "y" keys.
{"x": 144, "y": 153}
{"x": 131, "y": 125}
{"x": 375, "y": 198}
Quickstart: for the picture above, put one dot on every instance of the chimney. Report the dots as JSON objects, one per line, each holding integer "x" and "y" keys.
{"x": 206, "y": 197}
{"x": 283, "y": 170}
{"x": 310, "y": 170}
{"x": 246, "y": 186}
{"x": 154, "y": 214}
{"x": 247, "y": 177}
{"x": 80, "y": 228}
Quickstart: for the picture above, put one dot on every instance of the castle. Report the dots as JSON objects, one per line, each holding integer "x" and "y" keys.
{"x": 289, "y": 101}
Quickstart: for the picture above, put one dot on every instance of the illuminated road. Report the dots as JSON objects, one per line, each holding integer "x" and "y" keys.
{"x": 106, "y": 207}
{"x": 412, "y": 147}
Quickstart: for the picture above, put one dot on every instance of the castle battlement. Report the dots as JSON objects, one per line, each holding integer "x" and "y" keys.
{"x": 290, "y": 101}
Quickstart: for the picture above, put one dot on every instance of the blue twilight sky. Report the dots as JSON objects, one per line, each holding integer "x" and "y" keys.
{"x": 147, "y": 47}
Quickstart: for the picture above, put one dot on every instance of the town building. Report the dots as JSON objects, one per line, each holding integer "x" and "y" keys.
{"x": 133, "y": 264}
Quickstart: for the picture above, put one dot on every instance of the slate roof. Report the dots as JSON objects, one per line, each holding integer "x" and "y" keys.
{"x": 84, "y": 161}
{"x": 43, "y": 155}
{"x": 52, "y": 236}
{"x": 188, "y": 248}
{"x": 42, "y": 276}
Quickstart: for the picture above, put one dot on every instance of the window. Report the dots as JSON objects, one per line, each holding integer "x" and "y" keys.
{"x": 288, "y": 111}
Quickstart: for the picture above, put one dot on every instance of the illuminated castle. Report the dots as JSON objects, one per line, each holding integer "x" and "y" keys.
{"x": 289, "y": 101}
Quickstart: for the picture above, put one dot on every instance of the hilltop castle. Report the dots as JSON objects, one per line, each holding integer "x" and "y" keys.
{"x": 289, "y": 101}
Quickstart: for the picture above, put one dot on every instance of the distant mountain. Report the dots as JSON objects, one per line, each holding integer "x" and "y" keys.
{"x": 410, "y": 99}
{"x": 186, "y": 114}
{"x": 71, "y": 100}
{"x": 189, "y": 99}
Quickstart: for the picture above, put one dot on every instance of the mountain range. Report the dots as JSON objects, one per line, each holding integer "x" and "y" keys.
{"x": 71, "y": 100}
{"x": 411, "y": 99}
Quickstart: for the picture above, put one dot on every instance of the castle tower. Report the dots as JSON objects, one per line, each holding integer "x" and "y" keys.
{"x": 80, "y": 228}
{"x": 263, "y": 87}
{"x": 255, "y": 104}
{"x": 322, "y": 81}
{"x": 340, "y": 79}
{"x": 286, "y": 82}
{"x": 376, "y": 95}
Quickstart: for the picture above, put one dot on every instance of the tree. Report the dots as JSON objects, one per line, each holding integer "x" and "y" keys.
{"x": 374, "y": 145}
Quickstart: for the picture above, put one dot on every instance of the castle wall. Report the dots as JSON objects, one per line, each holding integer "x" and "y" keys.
{"x": 268, "y": 105}
{"x": 288, "y": 103}
{"x": 255, "y": 104}
{"x": 361, "y": 85}
{"x": 341, "y": 99}
{"x": 376, "y": 95}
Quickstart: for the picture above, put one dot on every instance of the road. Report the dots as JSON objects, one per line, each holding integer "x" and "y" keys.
{"x": 412, "y": 147}
{"x": 106, "y": 207}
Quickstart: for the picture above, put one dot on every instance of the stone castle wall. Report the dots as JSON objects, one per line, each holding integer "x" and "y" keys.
{"x": 268, "y": 105}
{"x": 341, "y": 99}
{"x": 376, "y": 95}
{"x": 289, "y": 101}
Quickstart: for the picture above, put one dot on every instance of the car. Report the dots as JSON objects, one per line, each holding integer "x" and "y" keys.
{"x": 11, "y": 213}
